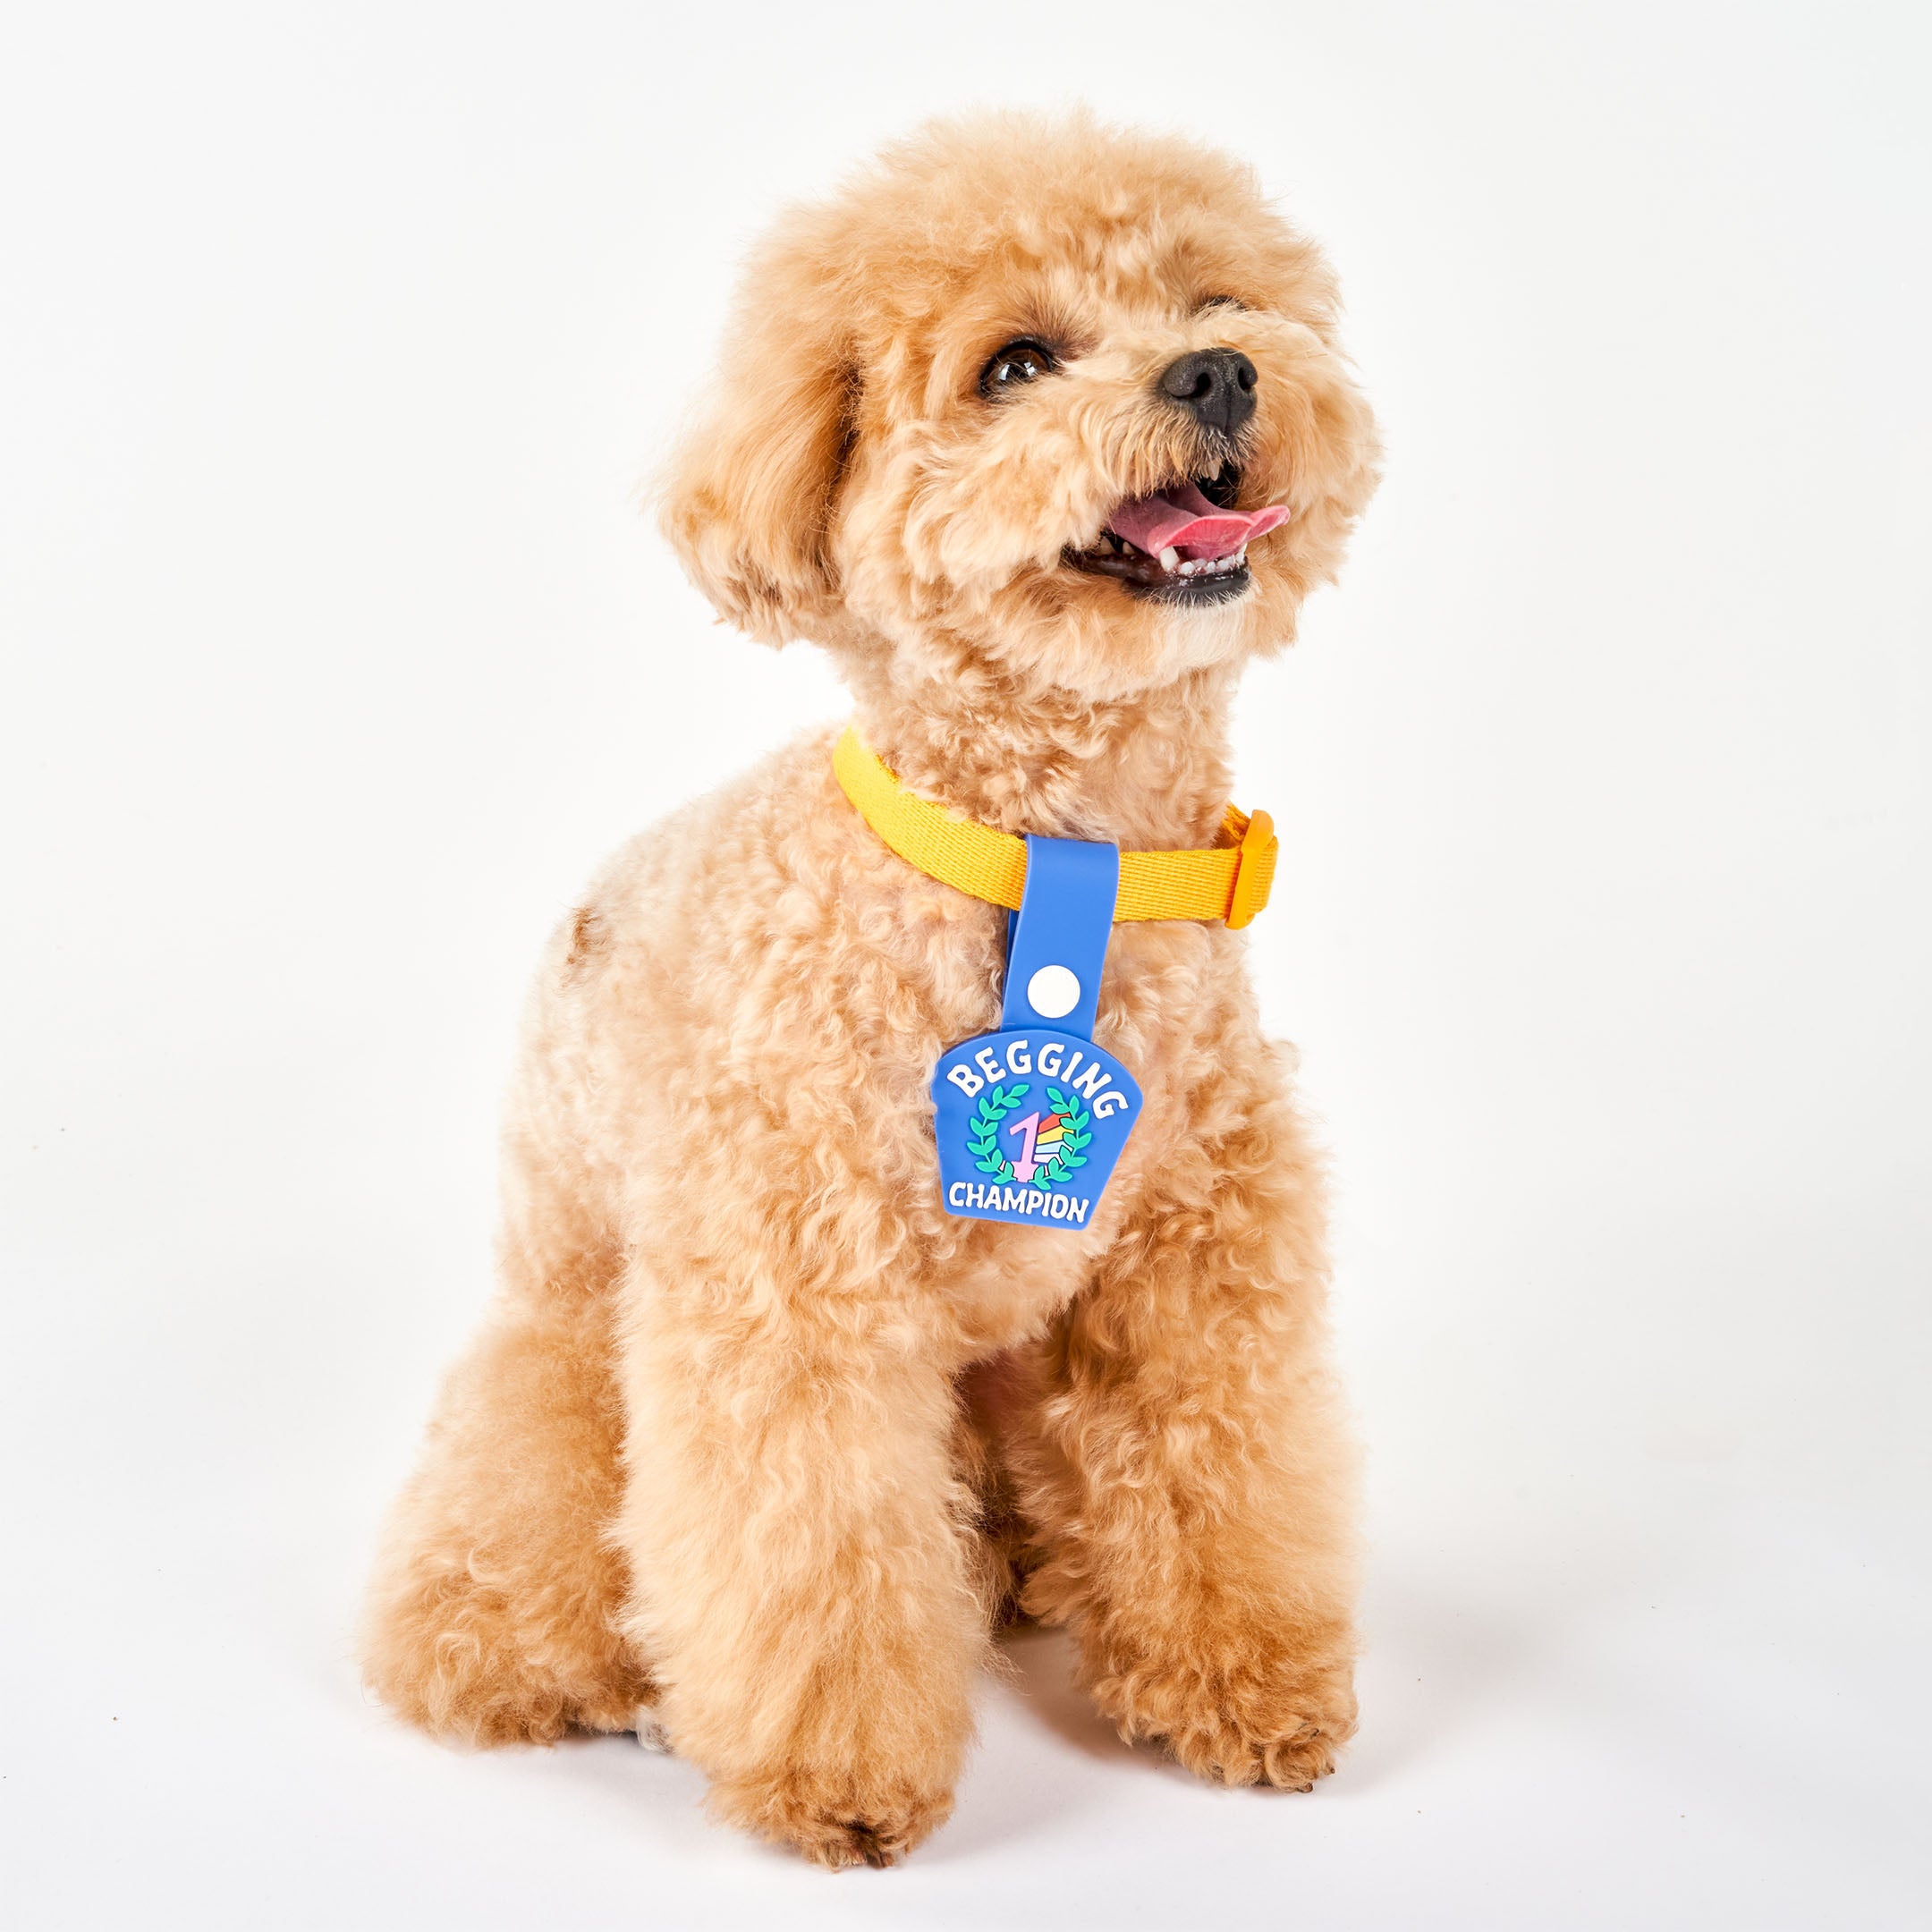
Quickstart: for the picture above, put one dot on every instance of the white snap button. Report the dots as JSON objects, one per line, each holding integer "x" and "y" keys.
{"x": 1053, "y": 992}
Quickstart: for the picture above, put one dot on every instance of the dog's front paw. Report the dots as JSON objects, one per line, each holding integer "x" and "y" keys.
{"x": 1238, "y": 1719}
{"x": 837, "y": 1819}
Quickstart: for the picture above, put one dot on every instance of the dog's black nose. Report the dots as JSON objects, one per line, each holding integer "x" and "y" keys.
{"x": 1218, "y": 384}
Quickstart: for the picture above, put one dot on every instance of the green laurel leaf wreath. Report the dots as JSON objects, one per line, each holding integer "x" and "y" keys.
{"x": 1076, "y": 1135}
{"x": 982, "y": 1131}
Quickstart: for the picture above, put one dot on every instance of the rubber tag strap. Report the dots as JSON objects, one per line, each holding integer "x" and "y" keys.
{"x": 1060, "y": 938}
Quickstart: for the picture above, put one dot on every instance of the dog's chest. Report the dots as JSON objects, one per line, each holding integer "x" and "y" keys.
{"x": 1168, "y": 994}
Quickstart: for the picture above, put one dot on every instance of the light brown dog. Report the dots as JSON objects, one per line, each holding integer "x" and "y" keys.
{"x": 759, "y": 1443}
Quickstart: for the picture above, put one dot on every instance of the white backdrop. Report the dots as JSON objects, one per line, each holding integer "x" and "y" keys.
{"x": 334, "y": 343}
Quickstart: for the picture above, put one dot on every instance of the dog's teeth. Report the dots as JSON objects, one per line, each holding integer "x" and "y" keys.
{"x": 1169, "y": 557}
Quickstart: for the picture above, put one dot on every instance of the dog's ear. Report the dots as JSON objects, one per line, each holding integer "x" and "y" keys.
{"x": 747, "y": 497}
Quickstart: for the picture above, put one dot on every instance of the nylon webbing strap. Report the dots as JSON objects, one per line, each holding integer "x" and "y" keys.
{"x": 1230, "y": 881}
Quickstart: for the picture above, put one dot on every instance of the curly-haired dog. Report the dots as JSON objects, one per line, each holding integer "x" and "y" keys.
{"x": 761, "y": 1441}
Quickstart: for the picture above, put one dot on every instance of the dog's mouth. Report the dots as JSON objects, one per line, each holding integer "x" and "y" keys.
{"x": 1186, "y": 544}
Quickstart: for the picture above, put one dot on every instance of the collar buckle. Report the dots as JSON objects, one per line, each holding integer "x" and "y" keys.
{"x": 1254, "y": 870}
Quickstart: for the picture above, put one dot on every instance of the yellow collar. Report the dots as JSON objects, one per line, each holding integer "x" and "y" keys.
{"x": 1230, "y": 881}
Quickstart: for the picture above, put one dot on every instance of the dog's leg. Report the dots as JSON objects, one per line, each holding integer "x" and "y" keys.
{"x": 494, "y": 1615}
{"x": 799, "y": 1535}
{"x": 1181, "y": 1459}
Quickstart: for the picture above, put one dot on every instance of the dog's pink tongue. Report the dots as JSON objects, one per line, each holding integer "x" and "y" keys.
{"x": 1182, "y": 519}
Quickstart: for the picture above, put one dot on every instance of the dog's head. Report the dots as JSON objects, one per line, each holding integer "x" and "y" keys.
{"x": 1060, "y": 400}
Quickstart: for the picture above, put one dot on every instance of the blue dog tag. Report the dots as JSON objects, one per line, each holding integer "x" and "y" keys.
{"x": 1031, "y": 1119}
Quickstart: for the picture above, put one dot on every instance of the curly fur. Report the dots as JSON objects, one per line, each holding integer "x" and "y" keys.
{"x": 760, "y": 1441}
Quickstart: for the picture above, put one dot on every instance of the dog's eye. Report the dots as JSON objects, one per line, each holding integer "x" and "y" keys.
{"x": 1218, "y": 301}
{"x": 1018, "y": 363}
